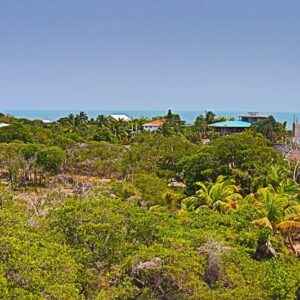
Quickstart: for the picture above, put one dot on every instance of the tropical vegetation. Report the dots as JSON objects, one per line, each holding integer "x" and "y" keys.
{"x": 101, "y": 209}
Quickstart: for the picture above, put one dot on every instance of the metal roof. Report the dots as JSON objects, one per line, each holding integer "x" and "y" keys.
{"x": 240, "y": 124}
{"x": 155, "y": 123}
{"x": 121, "y": 117}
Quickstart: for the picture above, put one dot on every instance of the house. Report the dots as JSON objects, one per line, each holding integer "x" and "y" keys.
{"x": 253, "y": 117}
{"x": 3, "y": 125}
{"x": 121, "y": 118}
{"x": 47, "y": 121}
{"x": 153, "y": 125}
{"x": 229, "y": 127}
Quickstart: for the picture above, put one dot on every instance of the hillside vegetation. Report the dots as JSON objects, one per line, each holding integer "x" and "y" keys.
{"x": 100, "y": 209}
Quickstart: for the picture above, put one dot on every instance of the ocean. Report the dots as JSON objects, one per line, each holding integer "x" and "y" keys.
{"x": 188, "y": 116}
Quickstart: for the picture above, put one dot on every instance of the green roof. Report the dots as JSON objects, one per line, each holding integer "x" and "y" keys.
{"x": 240, "y": 124}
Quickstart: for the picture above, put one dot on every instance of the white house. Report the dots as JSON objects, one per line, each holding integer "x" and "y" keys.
{"x": 47, "y": 121}
{"x": 253, "y": 117}
{"x": 3, "y": 125}
{"x": 153, "y": 125}
{"x": 121, "y": 118}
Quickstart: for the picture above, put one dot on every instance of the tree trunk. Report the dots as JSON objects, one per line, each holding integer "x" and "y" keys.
{"x": 291, "y": 243}
{"x": 264, "y": 249}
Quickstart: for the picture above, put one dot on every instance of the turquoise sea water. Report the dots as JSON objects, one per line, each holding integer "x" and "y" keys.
{"x": 188, "y": 116}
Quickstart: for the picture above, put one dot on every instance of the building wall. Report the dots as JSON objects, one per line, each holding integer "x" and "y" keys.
{"x": 253, "y": 119}
{"x": 229, "y": 130}
{"x": 151, "y": 128}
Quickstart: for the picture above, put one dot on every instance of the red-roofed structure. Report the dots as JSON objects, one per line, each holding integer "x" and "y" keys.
{"x": 153, "y": 125}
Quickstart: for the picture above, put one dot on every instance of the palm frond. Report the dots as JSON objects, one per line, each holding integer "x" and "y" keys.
{"x": 263, "y": 223}
{"x": 288, "y": 226}
{"x": 294, "y": 217}
{"x": 190, "y": 203}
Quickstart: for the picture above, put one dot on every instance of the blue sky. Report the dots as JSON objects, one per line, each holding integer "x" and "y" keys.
{"x": 150, "y": 54}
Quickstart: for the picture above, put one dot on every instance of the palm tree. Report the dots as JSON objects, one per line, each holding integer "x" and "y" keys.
{"x": 278, "y": 178}
{"x": 120, "y": 130}
{"x": 71, "y": 119}
{"x": 102, "y": 121}
{"x": 222, "y": 195}
{"x": 287, "y": 227}
{"x": 81, "y": 118}
{"x": 271, "y": 129}
{"x": 281, "y": 213}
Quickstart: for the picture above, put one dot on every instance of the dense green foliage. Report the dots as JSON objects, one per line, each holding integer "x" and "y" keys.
{"x": 246, "y": 157}
{"x": 92, "y": 209}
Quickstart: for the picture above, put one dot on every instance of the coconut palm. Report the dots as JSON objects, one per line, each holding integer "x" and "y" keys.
{"x": 222, "y": 195}
{"x": 281, "y": 213}
{"x": 81, "y": 118}
{"x": 286, "y": 228}
{"x": 71, "y": 119}
{"x": 278, "y": 178}
{"x": 103, "y": 121}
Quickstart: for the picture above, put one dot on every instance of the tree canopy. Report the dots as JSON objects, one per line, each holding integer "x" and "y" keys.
{"x": 101, "y": 209}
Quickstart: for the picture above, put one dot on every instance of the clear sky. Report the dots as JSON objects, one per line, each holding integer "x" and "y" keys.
{"x": 150, "y": 54}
